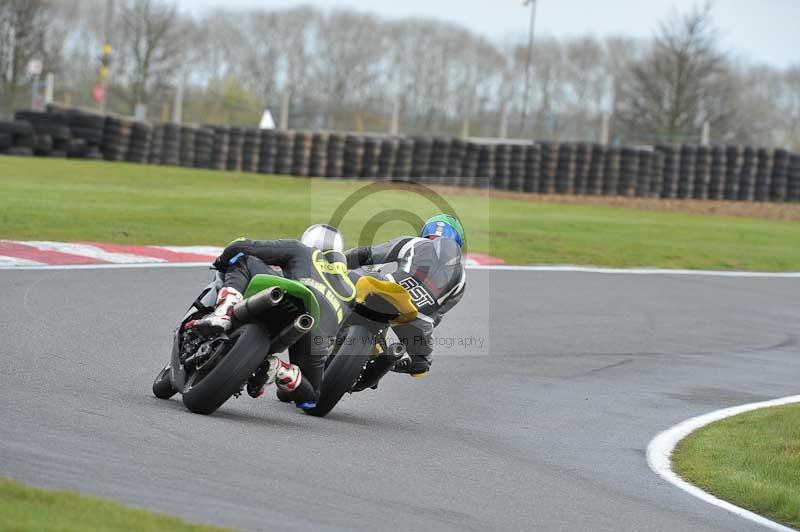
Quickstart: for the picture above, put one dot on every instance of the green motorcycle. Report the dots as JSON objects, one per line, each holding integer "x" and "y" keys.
{"x": 208, "y": 370}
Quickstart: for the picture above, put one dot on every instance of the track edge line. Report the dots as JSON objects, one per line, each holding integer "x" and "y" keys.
{"x": 660, "y": 449}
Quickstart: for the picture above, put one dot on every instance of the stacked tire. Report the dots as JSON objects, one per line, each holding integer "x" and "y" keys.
{"x": 716, "y": 185}
{"x": 235, "y": 145}
{"x": 116, "y": 138}
{"x": 686, "y": 175}
{"x": 370, "y": 163}
{"x": 219, "y": 151}
{"x": 469, "y": 167}
{"x": 353, "y": 156}
{"x": 139, "y": 142}
{"x": 336, "y": 144}
{"x": 267, "y": 151}
{"x": 548, "y": 166}
{"x": 502, "y": 166}
{"x": 565, "y": 169}
{"x": 702, "y": 173}
{"x": 387, "y": 158}
{"x": 51, "y": 134}
{"x": 301, "y": 153}
{"x": 16, "y": 138}
{"x": 644, "y": 174}
{"x": 596, "y": 176}
{"x": 420, "y": 167}
{"x": 404, "y": 159}
{"x": 793, "y": 186}
{"x": 318, "y": 160}
{"x": 532, "y": 164}
{"x": 455, "y": 162}
{"x": 440, "y": 156}
{"x": 203, "y": 147}
{"x": 780, "y": 176}
{"x": 747, "y": 177}
{"x": 611, "y": 172}
{"x": 156, "y": 144}
{"x": 671, "y": 173}
{"x": 657, "y": 174}
{"x": 187, "y": 146}
{"x": 763, "y": 174}
{"x": 583, "y": 160}
{"x": 733, "y": 170}
{"x": 86, "y": 129}
{"x": 486, "y": 168}
{"x": 171, "y": 145}
{"x": 250, "y": 150}
{"x": 516, "y": 168}
{"x": 285, "y": 154}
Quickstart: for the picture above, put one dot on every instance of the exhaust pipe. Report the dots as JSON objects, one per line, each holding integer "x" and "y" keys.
{"x": 254, "y": 307}
{"x": 293, "y": 332}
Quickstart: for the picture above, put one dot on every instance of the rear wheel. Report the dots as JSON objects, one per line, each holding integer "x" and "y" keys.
{"x": 162, "y": 386}
{"x": 207, "y": 389}
{"x": 343, "y": 371}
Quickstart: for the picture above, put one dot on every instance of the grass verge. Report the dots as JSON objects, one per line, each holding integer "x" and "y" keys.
{"x": 71, "y": 200}
{"x": 23, "y": 508}
{"x": 751, "y": 460}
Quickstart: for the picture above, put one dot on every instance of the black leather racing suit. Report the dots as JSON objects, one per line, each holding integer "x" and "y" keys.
{"x": 432, "y": 272}
{"x": 324, "y": 273}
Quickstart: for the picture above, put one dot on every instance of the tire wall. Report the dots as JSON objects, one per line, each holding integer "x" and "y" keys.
{"x": 733, "y": 173}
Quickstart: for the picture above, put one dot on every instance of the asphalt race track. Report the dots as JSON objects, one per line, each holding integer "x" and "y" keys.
{"x": 543, "y": 427}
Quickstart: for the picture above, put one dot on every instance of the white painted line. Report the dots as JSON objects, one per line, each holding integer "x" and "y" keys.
{"x": 211, "y": 251}
{"x": 634, "y": 271}
{"x": 94, "y": 252}
{"x": 659, "y": 457}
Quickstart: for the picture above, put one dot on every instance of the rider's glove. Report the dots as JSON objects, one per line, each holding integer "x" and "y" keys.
{"x": 231, "y": 251}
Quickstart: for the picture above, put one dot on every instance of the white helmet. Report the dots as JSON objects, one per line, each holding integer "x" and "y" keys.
{"x": 323, "y": 237}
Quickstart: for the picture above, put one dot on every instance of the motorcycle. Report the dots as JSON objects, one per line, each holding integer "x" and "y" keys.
{"x": 208, "y": 370}
{"x": 361, "y": 355}
{"x": 274, "y": 314}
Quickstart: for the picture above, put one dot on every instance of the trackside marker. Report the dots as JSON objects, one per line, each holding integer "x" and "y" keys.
{"x": 659, "y": 457}
{"x": 91, "y": 251}
{"x": 26, "y": 253}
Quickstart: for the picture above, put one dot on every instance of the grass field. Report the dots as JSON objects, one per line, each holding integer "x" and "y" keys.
{"x": 70, "y": 200}
{"x": 27, "y": 509}
{"x": 751, "y": 460}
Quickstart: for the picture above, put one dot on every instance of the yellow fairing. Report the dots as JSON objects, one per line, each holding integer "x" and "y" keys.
{"x": 389, "y": 291}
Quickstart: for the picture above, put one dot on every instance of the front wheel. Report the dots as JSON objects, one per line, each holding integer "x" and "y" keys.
{"x": 162, "y": 386}
{"x": 344, "y": 369}
{"x": 207, "y": 390}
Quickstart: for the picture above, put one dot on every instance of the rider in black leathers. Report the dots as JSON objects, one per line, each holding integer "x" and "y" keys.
{"x": 323, "y": 272}
{"x": 430, "y": 267}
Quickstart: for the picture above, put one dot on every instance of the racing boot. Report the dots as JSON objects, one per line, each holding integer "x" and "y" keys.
{"x": 264, "y": 375}
{"x": 218, "y": 321}
{"x": 289, "y": 380}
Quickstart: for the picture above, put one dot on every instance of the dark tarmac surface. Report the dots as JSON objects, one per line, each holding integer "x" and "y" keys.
{"x": 545, "y": 391}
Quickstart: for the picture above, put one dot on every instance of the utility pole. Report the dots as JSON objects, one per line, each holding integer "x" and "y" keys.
{"x": 528, "y": 64}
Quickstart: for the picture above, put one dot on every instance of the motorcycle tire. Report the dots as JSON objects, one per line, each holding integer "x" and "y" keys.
{"x": 343, "y": 371}
{"x": 231, "y": 373}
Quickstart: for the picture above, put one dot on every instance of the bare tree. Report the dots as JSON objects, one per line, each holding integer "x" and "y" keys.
{"x": 682, "y": 82}
{"x": 151, "y": 48}
{"x": 23, "y": 36}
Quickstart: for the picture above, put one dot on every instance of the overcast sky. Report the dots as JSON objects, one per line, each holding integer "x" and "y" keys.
{"x": 758, "y": 31}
